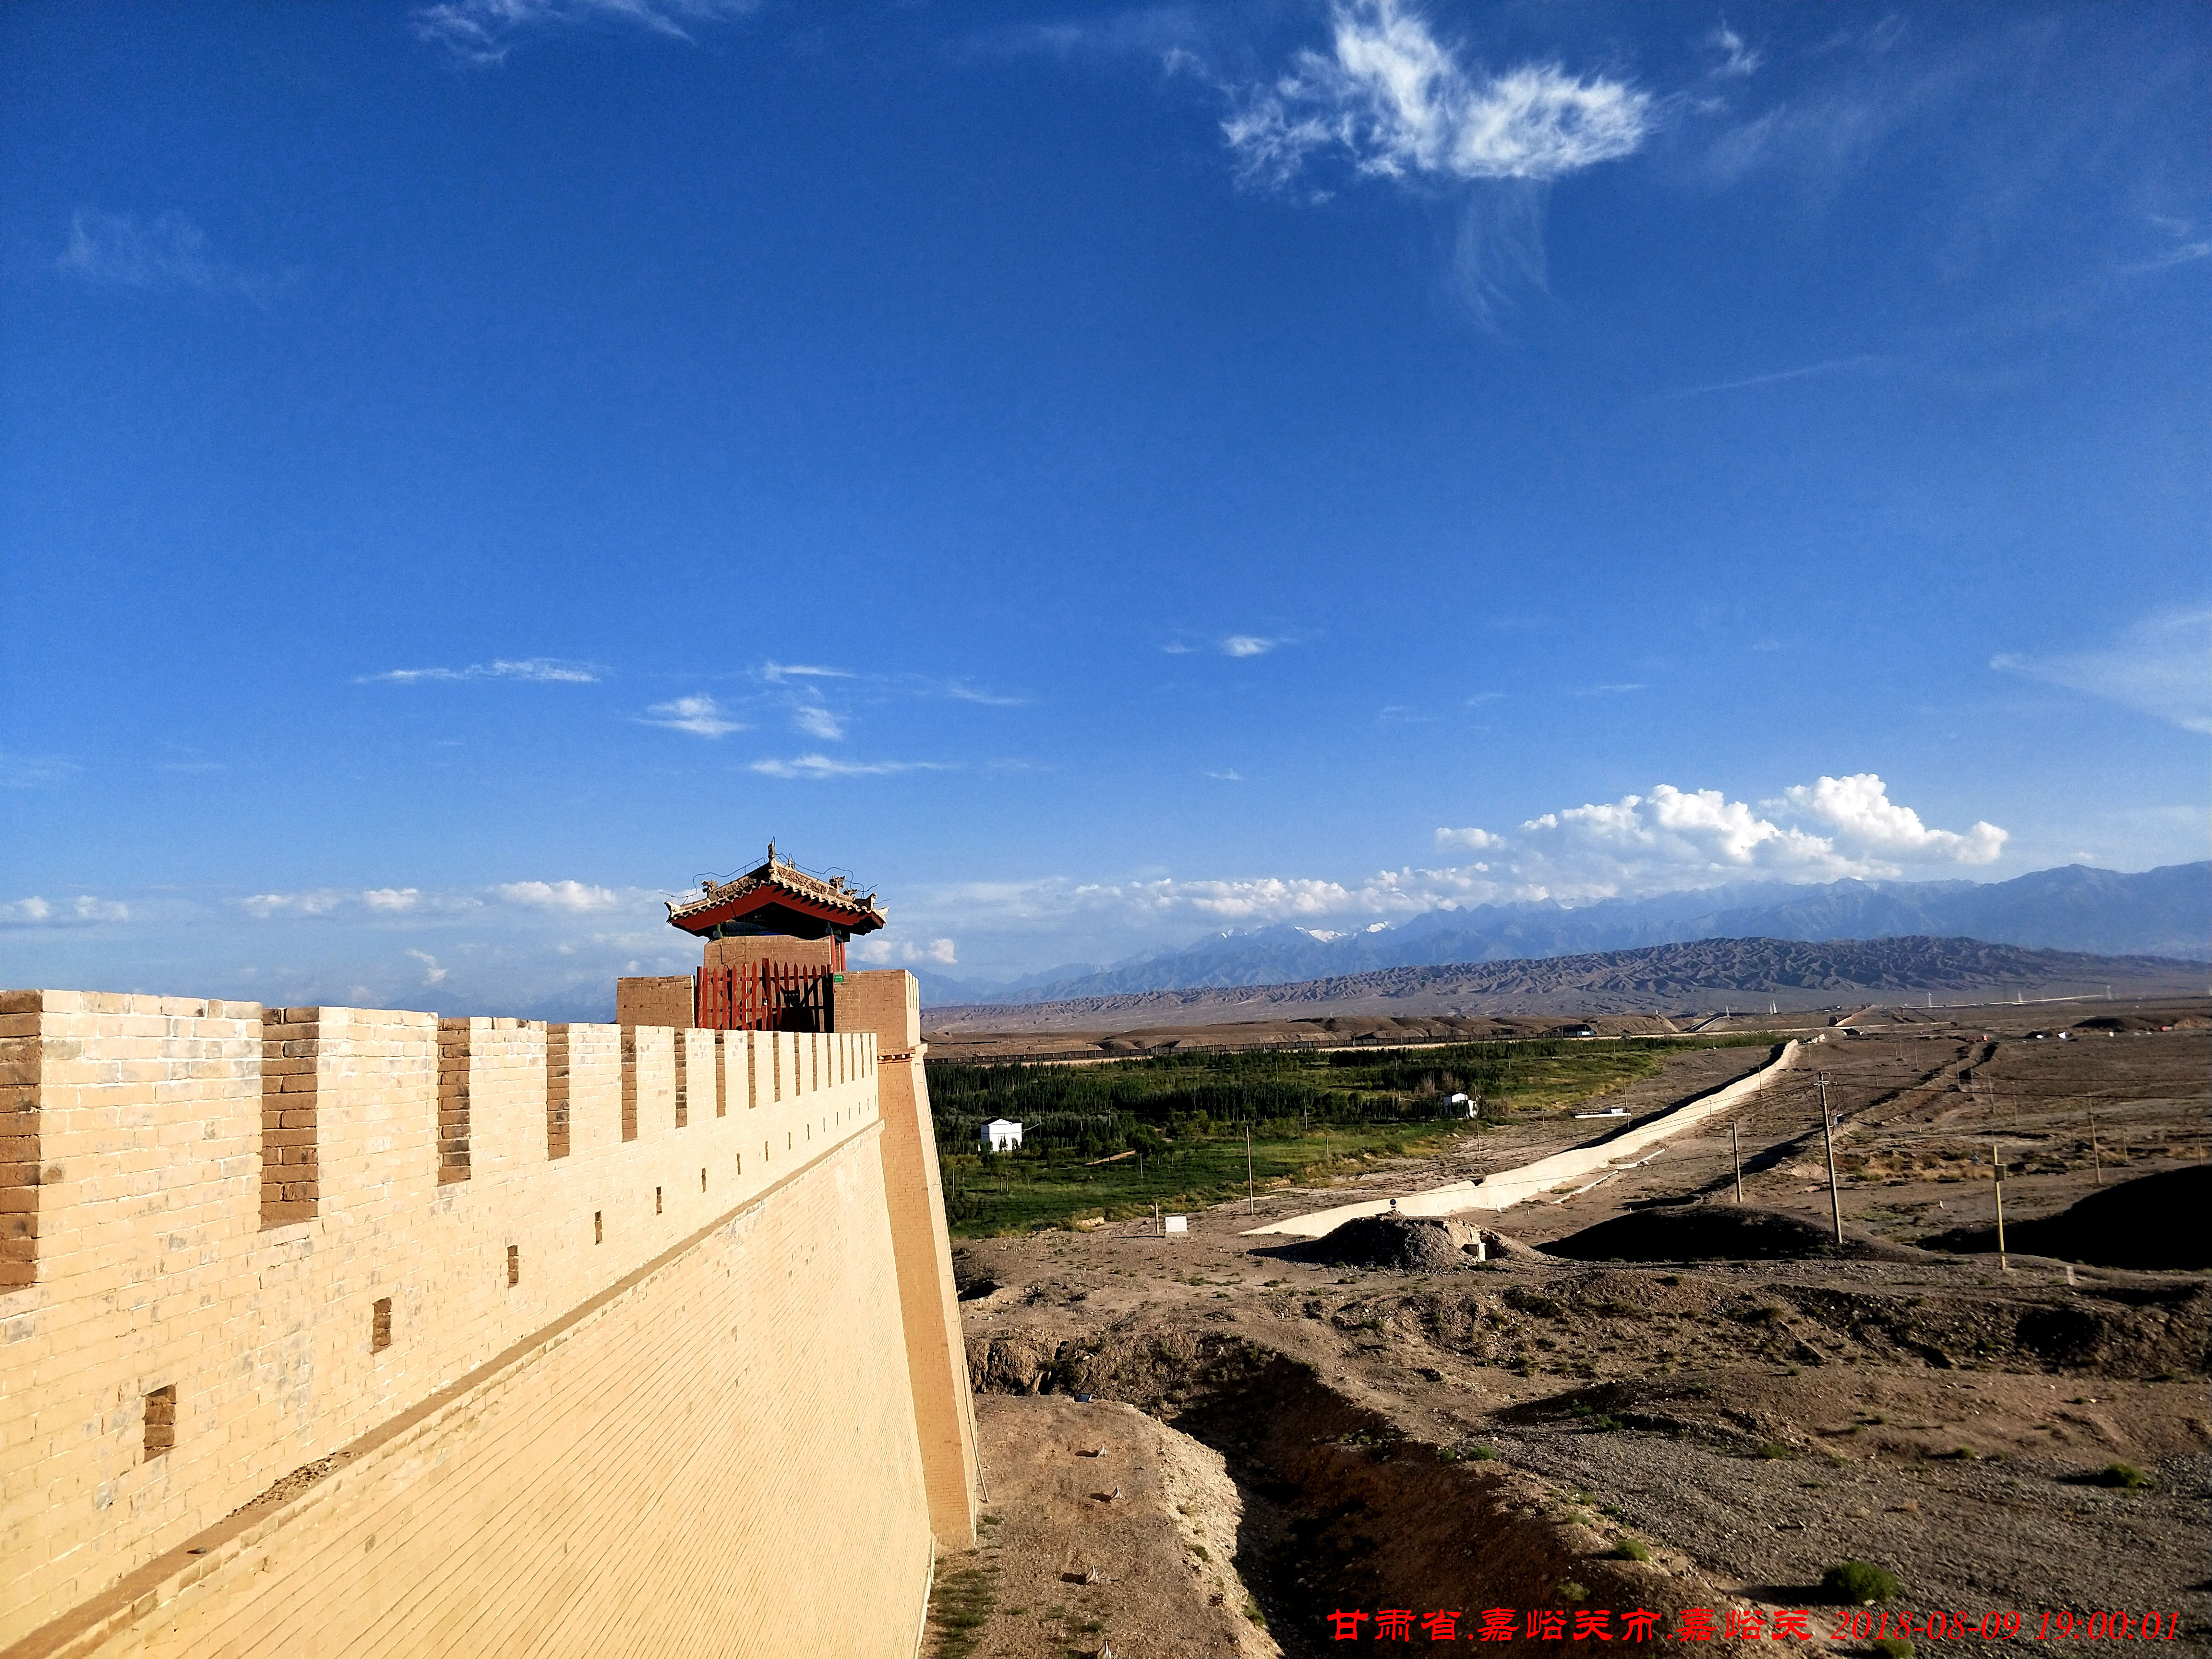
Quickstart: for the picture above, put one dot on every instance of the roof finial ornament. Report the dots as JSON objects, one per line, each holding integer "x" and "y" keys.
{"x": 771, "y": 852}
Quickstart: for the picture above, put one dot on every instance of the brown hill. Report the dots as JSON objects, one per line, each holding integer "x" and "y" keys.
{"x": 1699, "y": 976}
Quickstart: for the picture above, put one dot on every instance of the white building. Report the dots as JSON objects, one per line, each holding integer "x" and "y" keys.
{"x": 1001, "y": 1135}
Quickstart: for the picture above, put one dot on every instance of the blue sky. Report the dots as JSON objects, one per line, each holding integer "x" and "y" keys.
{"x": 1098, "y": 474}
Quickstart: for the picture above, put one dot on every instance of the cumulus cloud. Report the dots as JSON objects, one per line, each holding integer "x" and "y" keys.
{"x": 701, "y": 715}
{"x": 392, "y": 898}
{"x": 1859, "y": 809}
{"x": 86, "y": 907}
{"x": 558, "y": 895}
{"x": 167, "y": 251}
{"x": 822, "y": 766}
{"x": 939, "y": 952}
{"x": 1665, "y": 841}
{"x": 484, "y": 32}
{"x": 351, "y": 902}
{"x": 2161, "y": 666}
{"x": 1396, "y": 102}
{"x": 545, "y": 669}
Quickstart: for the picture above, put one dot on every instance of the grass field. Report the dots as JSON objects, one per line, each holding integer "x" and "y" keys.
{"x": 1114, "y": 1139}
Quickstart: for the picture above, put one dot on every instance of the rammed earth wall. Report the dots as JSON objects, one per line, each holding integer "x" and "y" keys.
{"x": 528, "y": 1386}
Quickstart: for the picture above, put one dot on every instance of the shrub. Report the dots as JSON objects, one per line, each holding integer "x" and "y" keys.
{"x": 1894, "y": 1647}
{"x": 1773, "y": 1451}
{"x": 1571, "y": 1591}
{"x": 1480, "y": 1454}
{"x": 2125, "y": 1475}
{"x": 1633, "y": 1549}
{"x": 1860, "y": 1583}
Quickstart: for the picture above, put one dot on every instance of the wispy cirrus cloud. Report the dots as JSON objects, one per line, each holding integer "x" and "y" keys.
{"x": 34, "y": 771}
{"x": 483, "y": 33}
{"x": 2161, "y": 666}
{"x": 1737, "y": 59}
{"x": 167, "y": 252}
{"x": 699, "y": 715}
{"x": 1832, "y": 366}
{"x": 1397, "y": 103}
{"x": 815, "y": 720}
{"x": 776, "y": 672}
{"x": 825, "y": 766}
{"x": 542, "y": 669}
{"x": 1247, "y": 645}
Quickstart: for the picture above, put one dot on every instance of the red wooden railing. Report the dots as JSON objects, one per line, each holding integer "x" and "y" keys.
{"x": 765, "y": 996}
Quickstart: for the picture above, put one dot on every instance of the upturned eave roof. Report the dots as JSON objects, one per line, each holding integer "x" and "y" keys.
{"x": 776, "y": 886}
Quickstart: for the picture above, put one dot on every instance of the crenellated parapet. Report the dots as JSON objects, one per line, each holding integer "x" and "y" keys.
{"x": 236, "y": 1239}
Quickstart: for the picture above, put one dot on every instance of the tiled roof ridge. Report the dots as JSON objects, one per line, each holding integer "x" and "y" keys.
{"x": 779, "y": 873}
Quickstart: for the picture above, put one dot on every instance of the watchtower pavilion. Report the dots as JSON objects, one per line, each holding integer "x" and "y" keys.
{"x": 774, "y": 953}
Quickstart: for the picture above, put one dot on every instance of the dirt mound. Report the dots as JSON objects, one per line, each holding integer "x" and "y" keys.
{"x": 1716, "y": 1232}
{"x": 2156, "y": 1221}
{"x": 1396, "y": 1243}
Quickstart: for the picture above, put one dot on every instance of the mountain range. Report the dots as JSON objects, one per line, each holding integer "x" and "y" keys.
{"x": 2165, "y": 912}
{"x": 1697, "y": 975}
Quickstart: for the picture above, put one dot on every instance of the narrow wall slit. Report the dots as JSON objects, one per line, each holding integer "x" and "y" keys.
{"x": 513, "y": 1265}
{"x": 453, "y": 1054}
{"x": 160, "y": 1421}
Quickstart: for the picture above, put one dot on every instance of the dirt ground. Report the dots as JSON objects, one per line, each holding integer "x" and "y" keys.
{"x": 1516, "y": 1434}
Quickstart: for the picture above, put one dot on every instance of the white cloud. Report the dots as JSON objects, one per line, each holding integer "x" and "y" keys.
{"x": 432, "y": 974}
{"x": 702, "y": 716}
{"x": 816, "y": 721}
{"x": 960, "y": 691}
{"x": 2161, "y": 666}
{"x": 1737, "y": 59}
{"x": 36, "y": 912}
{"x": 167, "y": 251}
{"x": 776, "y": 672}
{"x": 484, "y": 32}
{"x": 1247, "y": 645}
{"x": 1858, "y": 808}
{"x": 33, "y": 771}
{"x": 886, "y": 952}
{"x": 558, "y": 895}
{"x": 545, "y": 669}
{"x": 1670, "y": 840}
{"x": 319, "y": 903}
{"x": 1397, "y": 103}
{"x": 822, "y": 766}
{"x": 392, "y": 898}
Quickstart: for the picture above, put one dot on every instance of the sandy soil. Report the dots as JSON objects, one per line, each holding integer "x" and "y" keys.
{"x": 1744, "y": 1424}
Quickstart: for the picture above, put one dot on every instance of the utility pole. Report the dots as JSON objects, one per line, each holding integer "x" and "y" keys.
{"x": 1996, "y": 1168}
{"x": 1736, "y": 1146}
{"x": 1828, "y": 1131}
{"x": 2096, "y": 1157}
{"x": 1250, "y": 1202}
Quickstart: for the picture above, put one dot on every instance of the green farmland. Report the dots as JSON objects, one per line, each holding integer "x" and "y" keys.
{"x": 1113, "y": 1139}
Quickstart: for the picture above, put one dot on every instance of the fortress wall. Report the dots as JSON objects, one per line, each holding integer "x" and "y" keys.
{"x": 608, "y": 1493}
{"x": 889, "y": 1005}
{"x": 153, "y": 1269}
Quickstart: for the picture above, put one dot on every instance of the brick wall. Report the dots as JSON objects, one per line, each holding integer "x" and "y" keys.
{"x": 660, "y": 1471}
